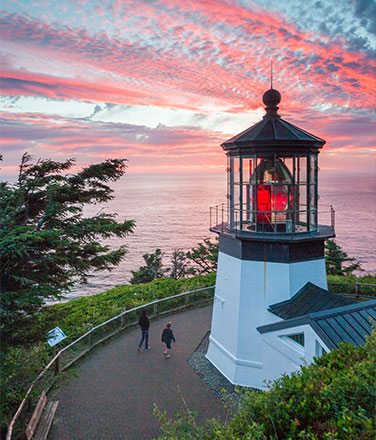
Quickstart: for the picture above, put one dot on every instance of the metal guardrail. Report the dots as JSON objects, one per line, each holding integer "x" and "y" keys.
{"x": 272, "y": 221}
{"x": 68, "y": 355}
{"x": 359, "y": 290}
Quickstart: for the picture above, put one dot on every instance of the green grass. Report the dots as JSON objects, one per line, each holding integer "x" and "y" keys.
{"x": 362, "y": 290}
{"x": 79, "y": 315}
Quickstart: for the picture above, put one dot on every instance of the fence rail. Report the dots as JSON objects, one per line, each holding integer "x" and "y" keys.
{"x": 360, "y": 290}
{"x": 68, "y": 355}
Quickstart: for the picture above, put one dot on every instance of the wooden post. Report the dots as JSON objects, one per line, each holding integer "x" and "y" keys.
{"x": 155, "y": 309}
{"x": 186, "y": 299}
{"x": 90, "y": 339}
{"x": 29, "y": 403}
{"x": 357, "y": 285}
{"x": 57, "y": 366}
{"x": 122, "y": 321}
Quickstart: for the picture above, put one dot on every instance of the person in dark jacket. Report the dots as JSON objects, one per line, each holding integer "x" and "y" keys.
{"x": 144, "y": 323}
{"x": 167, "y": 338}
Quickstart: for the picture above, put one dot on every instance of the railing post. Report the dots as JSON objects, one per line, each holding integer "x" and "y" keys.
{"x": 332, "y": 214}
{"x": 222, "y": 220}
{"x": 357, "y": 285}
{"x": 90, "y": 339}
{"x": 29, "y": 403}
{"x": 122, "y": 321}
{"x": 186, "y": 299}
{"x": 57, "y": 366}
{"x": 155, "y": 309}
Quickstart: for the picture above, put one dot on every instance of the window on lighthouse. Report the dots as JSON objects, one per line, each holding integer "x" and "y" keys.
{"x": 271, "y": 194}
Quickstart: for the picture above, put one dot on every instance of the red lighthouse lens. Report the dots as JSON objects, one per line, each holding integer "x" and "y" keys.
{"x": 271, "y": 181}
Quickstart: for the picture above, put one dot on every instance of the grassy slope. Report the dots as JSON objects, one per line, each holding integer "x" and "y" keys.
{"x": 79, "y": 315}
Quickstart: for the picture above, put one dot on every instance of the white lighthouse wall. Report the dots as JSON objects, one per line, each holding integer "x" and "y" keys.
{"x": 244, "y": 290}
{"x": 313, "y": 271}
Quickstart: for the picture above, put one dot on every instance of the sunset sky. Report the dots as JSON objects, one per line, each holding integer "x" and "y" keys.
{"x": 164, "y": 82}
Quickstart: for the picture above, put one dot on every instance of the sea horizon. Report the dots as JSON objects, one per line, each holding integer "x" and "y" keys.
{"x": 172, "y": 211}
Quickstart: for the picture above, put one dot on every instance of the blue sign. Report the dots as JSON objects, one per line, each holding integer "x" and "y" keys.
{"x": 55, "y": 336}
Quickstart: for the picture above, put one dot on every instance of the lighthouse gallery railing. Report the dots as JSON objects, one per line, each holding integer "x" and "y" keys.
{"x": 245, "y": 220}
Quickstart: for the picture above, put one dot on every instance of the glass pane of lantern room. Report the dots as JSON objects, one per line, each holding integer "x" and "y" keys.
{"x": 228, "y": 187}
{"x": 236, "y": 191}
{"x": 247, "y": 167}
{"x": 288, "y": 161}
{"x": 313, "y": 191}
{"x": 302, "y": 204}
{"x": 236, "y": 164}
{"x": 302, "y": 169}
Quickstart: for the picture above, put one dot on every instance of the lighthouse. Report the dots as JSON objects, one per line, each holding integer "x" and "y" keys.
{"x": 271, "y": 250}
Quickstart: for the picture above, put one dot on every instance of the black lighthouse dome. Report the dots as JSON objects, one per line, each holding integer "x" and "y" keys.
{"x": 271, "y": 97}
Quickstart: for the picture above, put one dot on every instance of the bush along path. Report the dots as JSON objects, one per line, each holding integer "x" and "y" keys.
{"x": 334, "y": 398}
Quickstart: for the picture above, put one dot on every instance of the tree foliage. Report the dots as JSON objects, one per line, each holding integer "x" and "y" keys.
{"x": 204, "y": 256}
{"x": 334, "y": 398}
{"x": 179, "y": 265}
{"x": 200, "y": 260}
{"x": 46, "y": 242}
{"x": 337, "y": 260}
{"x": 152, "y": 270}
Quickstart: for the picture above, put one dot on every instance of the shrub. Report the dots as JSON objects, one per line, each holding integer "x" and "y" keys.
{"x": 334, "y": 398}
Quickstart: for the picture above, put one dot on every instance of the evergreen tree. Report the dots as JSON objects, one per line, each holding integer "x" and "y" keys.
{"x": 337, "y": 261}
{"x": 46, "y": 243}
{"x": 179, "y": 266}
{"x": 204, "y": 256}
{"x": 153, "y": 269}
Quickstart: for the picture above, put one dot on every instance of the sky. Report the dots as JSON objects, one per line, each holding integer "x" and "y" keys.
{"x": 164, "y": 82}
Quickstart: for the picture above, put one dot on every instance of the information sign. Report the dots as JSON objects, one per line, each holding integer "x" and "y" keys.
{"x": 55, "y": 336}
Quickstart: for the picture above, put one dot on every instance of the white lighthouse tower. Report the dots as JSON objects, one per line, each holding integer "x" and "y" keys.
{"x": 270, "y": 242}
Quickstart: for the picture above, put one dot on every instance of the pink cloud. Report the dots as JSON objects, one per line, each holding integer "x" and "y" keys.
{"x": 197, "y": 55}
{"x": 160, "y": 147}
{"x": 88, "y": 141}
{"x": 186, "y": 72}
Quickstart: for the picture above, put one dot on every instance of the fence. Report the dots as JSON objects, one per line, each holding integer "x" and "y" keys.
{"x": 362, "y": 291}
{"x": 68, "y": 355}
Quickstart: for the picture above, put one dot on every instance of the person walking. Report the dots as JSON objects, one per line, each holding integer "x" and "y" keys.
{"x": 144, "y": 323}
{"x": 167, "y": 338}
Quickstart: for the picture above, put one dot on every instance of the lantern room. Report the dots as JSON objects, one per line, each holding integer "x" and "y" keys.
{"x": 272, "y": 176}
{"x": 272, "y": 192}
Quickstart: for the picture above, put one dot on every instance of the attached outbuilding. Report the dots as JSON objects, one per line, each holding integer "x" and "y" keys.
{"x": 314, "y": 321}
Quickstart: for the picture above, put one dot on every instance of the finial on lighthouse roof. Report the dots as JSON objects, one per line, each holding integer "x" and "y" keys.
{"x": 272, "y": 97}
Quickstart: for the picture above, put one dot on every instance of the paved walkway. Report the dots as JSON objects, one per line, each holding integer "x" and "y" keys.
{"x": 117, "y": 387}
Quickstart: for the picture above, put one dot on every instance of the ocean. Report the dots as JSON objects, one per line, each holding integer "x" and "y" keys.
{"x": 172, "y": 211}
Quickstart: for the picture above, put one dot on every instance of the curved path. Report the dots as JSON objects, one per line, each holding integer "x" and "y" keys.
{"x": 117, "y": 387}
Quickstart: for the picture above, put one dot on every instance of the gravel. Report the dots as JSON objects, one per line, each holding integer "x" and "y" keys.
{"x": 212, "y": 377}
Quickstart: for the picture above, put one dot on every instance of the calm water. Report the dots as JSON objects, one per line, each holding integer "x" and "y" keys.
{"x": 172, "y": 211}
